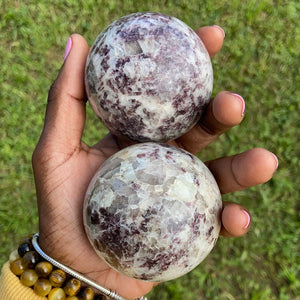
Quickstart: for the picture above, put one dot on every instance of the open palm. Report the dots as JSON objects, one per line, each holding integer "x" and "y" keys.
{"x": 64, "y": 165}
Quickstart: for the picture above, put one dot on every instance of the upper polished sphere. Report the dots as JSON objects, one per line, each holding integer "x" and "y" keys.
{"x": 148, "y": 77}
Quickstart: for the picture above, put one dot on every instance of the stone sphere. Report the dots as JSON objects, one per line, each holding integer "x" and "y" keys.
{"x": 148, "y": 77}
{"x": 152, "y": 212}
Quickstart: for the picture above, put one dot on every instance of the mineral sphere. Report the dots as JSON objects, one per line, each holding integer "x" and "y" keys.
{"x": 152, "y": 212}
{"x": 148, "y": 77}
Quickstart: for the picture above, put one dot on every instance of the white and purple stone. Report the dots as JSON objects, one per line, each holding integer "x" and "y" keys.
{"x": 152, "y": 212}
{"x": 148, "y": 77}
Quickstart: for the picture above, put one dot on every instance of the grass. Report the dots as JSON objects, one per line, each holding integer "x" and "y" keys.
{"x": 259, "y": 60}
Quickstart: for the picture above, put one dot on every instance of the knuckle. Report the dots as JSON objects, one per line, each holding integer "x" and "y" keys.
{"x": 36, "y": 156}
{"x": 39, "y": 154}
{"x": 53, "y": 91}
{"x": 56, "y": 88}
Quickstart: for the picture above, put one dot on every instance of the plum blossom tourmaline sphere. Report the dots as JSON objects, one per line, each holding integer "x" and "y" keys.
{"x": 152, "y": 212}
{"x": 148, "y": 77}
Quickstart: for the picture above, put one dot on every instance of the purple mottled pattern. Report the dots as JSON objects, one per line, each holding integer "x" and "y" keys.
{"x": 152, "y": 212}
{"x": 149, "y": 77}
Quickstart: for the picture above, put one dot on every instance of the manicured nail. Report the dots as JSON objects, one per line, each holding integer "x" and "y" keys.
{"x": 221, "y": 30}
{"x": 241, "y": 99}
{"x": 68, "y": 48}
{"x": 276, "y": 160}
{"x": 248, "y": 219}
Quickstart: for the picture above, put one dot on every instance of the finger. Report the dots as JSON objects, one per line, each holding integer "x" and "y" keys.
{"x": 243, "y": 170}
{"x": 236, "y": 220}
{"x": 212, "y": 37}
{"x": 224, "y": 111}
{"x": 65, "y": 114}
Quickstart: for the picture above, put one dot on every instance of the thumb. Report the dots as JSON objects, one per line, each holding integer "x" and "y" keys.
{"x": 65, "y": 113}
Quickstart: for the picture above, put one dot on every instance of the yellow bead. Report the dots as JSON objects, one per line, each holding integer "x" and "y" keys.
{"x": 13, "y": 256}
{"x": 29, "y": 277}
{"x": 87, "y": 294}
{"x": 72, "y": 287}
{"x": 57, "y": 278}
{"x": 30, "y": 259}
{"x": 57, "y": 294}
{"x": 17, "y": 266}
{"x": 42, "y": 287}
{"x": 43, "y": 269}
{"x": 72, "y": 298}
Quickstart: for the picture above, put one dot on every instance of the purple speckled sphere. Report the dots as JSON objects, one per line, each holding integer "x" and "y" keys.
{"x": 149, "y": 77}
{"x": 152, "y": 212}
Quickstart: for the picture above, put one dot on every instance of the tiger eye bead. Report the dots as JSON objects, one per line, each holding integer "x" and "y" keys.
{"x": 30, "y": 259}
{"x": 17, "y": 266}
{"x": 29, "y": 278}
{"x": 87, "y": 294}
{"x": 72, "y": 298}
{"x": 57, "y": 294}
{"x": 13, "y": 256}
{"x": 24, "y": 248}
{"x": 25, "y": 245}
{"x": 72, "y": 287}
{"x": 26, "y": 239}
{"x": 57, "y": 278}
{"x": 42, "y": 287}
{"x": 99, "y": 297}
{"x": 43, "y": 269}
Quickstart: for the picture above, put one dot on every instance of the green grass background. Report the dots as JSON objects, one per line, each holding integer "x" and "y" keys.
{"x": 259, "y": 60}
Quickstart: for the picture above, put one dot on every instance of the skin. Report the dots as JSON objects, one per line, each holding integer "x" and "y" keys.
{"x": 64, "y": 165}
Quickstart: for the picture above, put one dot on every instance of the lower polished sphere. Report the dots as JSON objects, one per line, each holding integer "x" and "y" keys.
{"x": 152, "y": 212}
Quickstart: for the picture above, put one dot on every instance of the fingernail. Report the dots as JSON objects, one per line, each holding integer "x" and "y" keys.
{"x": 220, "y": 29}
{"x": 241, "y": 99}
{"x": 276, "y": 160}
{"x": 248, "y": 219}
{"x": 68, "y": 48}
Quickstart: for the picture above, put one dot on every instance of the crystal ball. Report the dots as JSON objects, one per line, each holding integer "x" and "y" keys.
{"x": 152, "y": 212}
{"x": 148, "y": 77}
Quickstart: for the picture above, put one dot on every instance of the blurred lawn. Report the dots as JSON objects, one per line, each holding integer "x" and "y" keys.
{"x": 259, "y": 60}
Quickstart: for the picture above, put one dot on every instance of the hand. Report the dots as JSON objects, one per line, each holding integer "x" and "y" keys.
{"x": 64, "y": 165}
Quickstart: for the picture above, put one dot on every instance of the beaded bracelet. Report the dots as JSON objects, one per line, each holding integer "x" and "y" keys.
{"x": 51, "y": 279}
